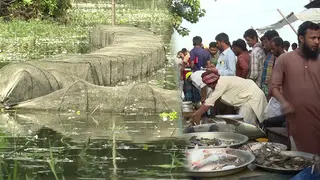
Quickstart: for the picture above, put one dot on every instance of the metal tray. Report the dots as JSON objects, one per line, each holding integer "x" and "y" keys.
{"x": 246, "y": 129}
{"x": 220, "y": 135}
{"x": 230, "y": 116}
{"x": 288, "y": 153}
{"x": 243, "y": 155}
{"x": 281, "y": 147}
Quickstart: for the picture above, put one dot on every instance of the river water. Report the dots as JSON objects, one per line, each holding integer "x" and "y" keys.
{"x": 40, "y": 145}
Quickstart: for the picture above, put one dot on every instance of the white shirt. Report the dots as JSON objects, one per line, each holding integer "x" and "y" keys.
{"x": 197, "y": 79}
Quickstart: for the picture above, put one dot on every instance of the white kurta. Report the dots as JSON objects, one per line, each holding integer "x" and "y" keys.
{"x": 242, "y": 93}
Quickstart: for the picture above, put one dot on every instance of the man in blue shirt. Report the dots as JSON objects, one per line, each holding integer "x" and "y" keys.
{"x": 199, "y": 57}
{"x": 227, "y": 60}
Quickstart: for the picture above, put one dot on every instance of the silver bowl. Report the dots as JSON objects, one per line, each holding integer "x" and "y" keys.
{"x": 219, "y": 135}
{"x": 245, "y": 156}
{"x": 230, "y": 116}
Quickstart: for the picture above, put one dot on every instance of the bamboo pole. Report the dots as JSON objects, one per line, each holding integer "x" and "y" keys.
{"x": 113, "y": 7}
{"x": 287, "y": 21}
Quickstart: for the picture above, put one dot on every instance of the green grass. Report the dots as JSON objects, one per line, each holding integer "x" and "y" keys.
{"x": 21, "y": 40}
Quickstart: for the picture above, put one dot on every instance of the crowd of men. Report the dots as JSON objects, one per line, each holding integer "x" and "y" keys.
{"x": 226, "y": 77}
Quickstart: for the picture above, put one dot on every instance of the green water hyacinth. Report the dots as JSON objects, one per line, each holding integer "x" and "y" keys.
{"x": 169, "y": 116}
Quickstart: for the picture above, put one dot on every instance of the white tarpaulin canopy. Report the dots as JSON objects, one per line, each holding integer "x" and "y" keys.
{"x": 306, "y": 15}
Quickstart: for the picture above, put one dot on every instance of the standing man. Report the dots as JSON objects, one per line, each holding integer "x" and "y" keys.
{"x": 226, "y": 64}
{"x": 199, "y": 57}
{"x": 268, "y": 63}
{"x": 240, "y": 50}
{"x": 294, "y": 46}
{"x": 214, "y": 53}
{"x": 277, "y": 46}
{"x": 286, "y": 46}
{"x": 298, "y": 73}
{"x": 257, "y": 56}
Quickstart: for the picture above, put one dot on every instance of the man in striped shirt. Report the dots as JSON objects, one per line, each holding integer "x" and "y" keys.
{"x": 257, "y": 56}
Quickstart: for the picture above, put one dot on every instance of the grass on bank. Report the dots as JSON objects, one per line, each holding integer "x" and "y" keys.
{"x": 36, "y": 39}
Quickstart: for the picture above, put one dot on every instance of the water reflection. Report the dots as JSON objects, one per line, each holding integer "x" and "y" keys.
{"x": 83, "y": 146}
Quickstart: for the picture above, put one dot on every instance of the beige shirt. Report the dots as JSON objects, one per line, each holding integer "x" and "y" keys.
{"x": 236, "y": 91}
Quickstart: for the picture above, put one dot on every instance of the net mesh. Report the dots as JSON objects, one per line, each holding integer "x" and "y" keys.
{"x": 85, "y": 97}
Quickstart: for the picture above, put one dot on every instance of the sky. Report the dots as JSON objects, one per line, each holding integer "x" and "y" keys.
{"x": 234, "y": 17}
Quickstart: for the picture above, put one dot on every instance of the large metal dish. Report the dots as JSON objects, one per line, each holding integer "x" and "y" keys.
{"x": 253, "y": 132}
{"x": 280, "y": 147}
{"x": 230, "y": 116}
{"x": 219, "y": 135}
{"x": 187, "y": 103}
{"x": 245, "y": 156}
{"x": 292, "y": 154}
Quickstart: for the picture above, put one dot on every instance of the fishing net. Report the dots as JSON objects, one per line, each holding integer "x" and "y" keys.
{"x": 85, "y": 97}
{"x": 21, "y": 81}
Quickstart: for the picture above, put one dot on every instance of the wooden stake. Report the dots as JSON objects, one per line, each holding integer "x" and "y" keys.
{"x": 113, "y": 9}
{"x": 287, "y": 21}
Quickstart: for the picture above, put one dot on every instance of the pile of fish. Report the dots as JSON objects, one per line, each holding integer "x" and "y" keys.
{"x": 269, "y": 155}
{"x": 211, "y": 142}
{"x": 209, "y": 160}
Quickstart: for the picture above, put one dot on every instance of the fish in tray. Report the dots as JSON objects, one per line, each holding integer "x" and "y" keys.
{"x": 208, "y": 160}
{"x": 211, "y": 142}
{"x": 263, "y": 147}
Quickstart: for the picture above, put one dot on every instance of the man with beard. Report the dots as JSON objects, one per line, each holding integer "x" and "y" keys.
{"x": 298, "y": 73}
{"x": 226, "y": 64}
{"x": 268, "y": 63}
{"x": 257, "y": 55}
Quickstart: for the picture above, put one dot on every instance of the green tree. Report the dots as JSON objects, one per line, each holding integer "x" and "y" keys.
{"x": 189, "y": 10}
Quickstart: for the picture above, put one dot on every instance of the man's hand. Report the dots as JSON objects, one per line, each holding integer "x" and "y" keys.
{"x": 196, "y": 118}
{"x": 287, "y": 108}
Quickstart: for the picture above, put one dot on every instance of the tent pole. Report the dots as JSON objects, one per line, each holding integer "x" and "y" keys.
{"x": 287, "y": 21}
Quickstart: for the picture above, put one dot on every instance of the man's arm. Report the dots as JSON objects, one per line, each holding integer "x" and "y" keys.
{"x": 203, "y": 94}
{"x": 192, "y": 59}
{"x": 244, "y": 66}
{"x": 254, "y": 68}
{"x": 277, "y": 81}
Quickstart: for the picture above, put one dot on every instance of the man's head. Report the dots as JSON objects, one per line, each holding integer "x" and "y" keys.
{"x": 239, "y": 46}
{"x": 180, "y": 55}
{"x": 251, "y": 37}
{"x": 294, "y": 46}
{"x": 277, "y": 46}
{"x": 309, "y": 39}
{"x": 286, "y": 45}
{"x": 213, "y": 48}
{"x": 197, "y": 41}
{"x": 184, "y": 51}
{"x": 268, "y": 37}
{"x": 222, "y": 40}
{"x": 211, "y": 77}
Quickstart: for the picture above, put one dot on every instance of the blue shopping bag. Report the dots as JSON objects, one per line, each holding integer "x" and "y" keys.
{"x": 307, "y": 175}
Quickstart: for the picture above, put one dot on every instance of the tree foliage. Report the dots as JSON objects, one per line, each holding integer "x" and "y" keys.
{"x": 189, "y": 10}
{"x": 27, "y": 9}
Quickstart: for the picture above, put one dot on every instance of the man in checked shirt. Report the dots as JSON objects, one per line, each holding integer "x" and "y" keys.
{"x": 257, "y": 56}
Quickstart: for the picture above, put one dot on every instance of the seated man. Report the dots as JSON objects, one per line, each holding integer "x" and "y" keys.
{"x": 234, "y": 91}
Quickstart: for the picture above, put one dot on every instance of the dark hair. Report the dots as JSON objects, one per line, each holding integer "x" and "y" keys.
{"x": 213, "y": 44}
{"x": 294, "y": 45}
{"x": 286, "y": 44}
{"x": 183, "y": 50}
{"x": 240, "y": 44}
{"x": 278, "y": 41}
{"x": 251, "y": 33}
{"x": 271, "y": 34}
{"x": 197, "y": 41}
{"x": 262, "y": 38}
{"x": 305, "y": 26}
{"x": 223, "y": 37}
